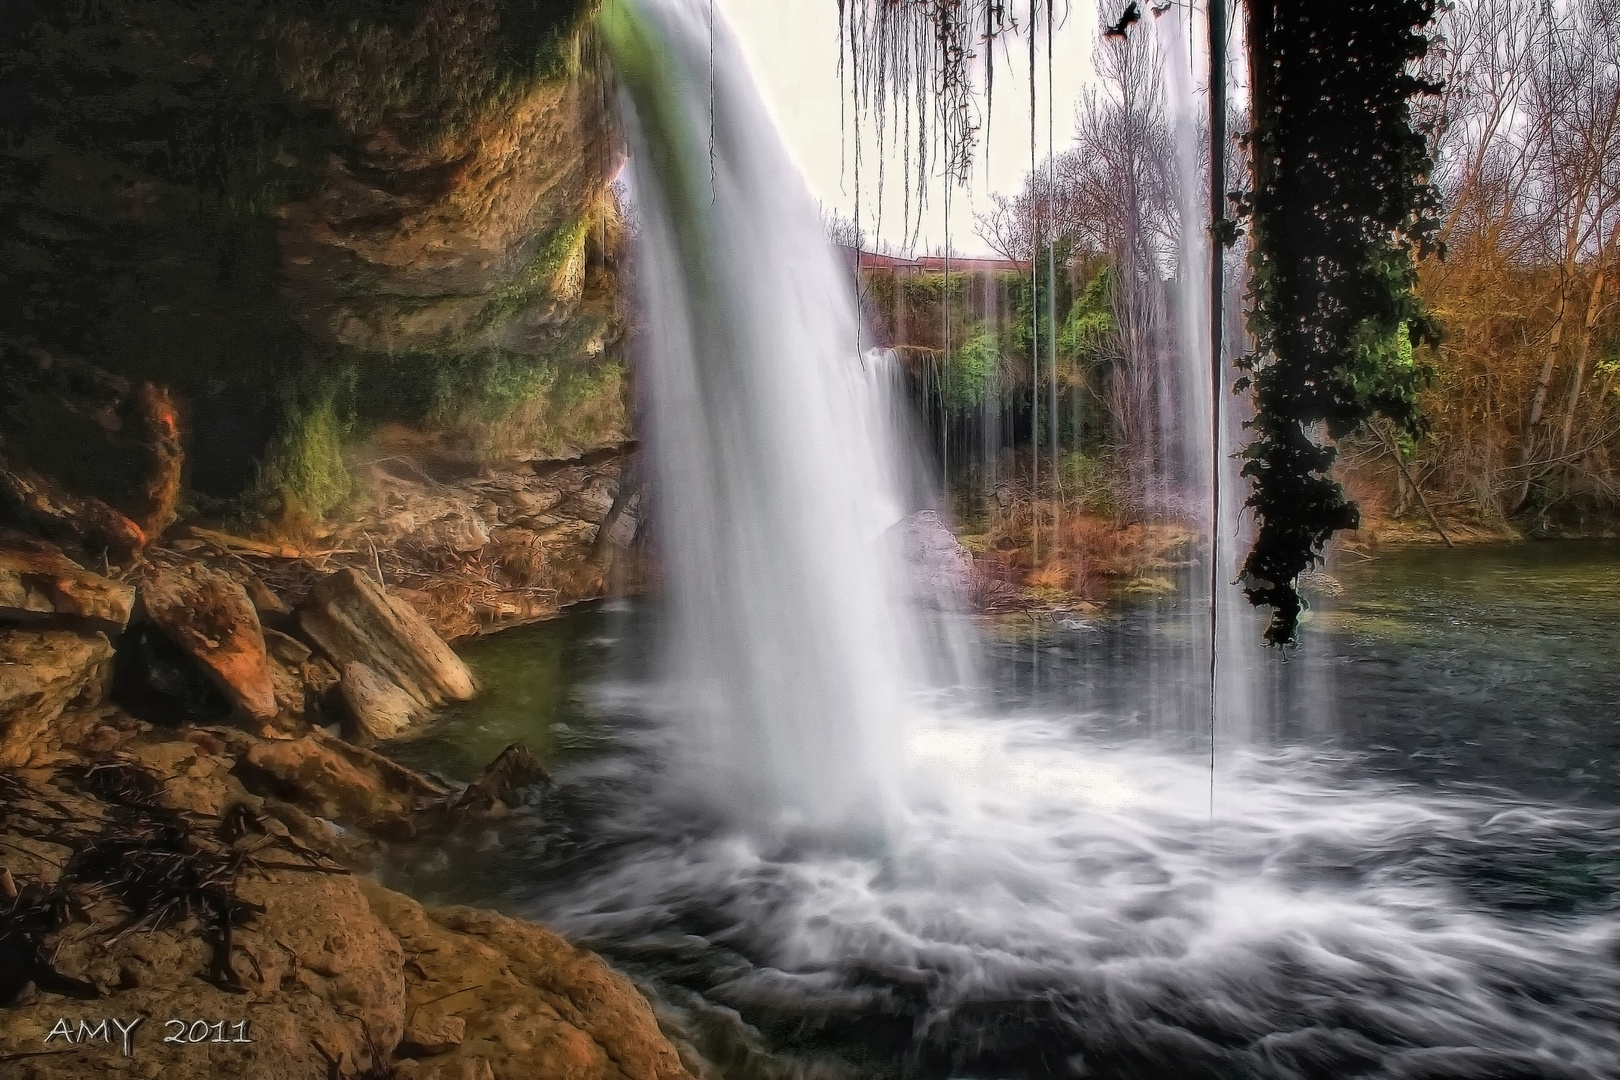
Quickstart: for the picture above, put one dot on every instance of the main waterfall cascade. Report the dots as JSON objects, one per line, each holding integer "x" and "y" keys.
{"x": 820, "y": 858}
{"x": 780, "y": 468}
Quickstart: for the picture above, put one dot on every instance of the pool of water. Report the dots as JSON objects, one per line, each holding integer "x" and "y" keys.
{"x": 1407, "y": 864}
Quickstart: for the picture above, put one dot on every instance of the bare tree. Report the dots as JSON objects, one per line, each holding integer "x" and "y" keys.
{"x": 842, "y": 231}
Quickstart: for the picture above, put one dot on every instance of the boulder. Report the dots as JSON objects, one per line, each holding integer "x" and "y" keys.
{"x": 41, "y": 673}
{"x": 498, "y": 786}
{"x": 940, "y": 568}
{"x": 349, "y": 618}
{"x": 378, "y": 710}
{"x": 527, "y": 998}
{"x": 209, "y": 616}
{"x": 42, "y": 583}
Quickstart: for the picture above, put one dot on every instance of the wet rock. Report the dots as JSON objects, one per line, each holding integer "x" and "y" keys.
{"x": 351, "y": 619}
{"x": 335, "y": 779}
{"x": 41, "y": 673}
{"x": 498, "y": 786}
{"x": 529, "y": 997}
{"x": 209, "y": 616}
{"x": 377, "y": 709}
{"x": 40, "y": 583}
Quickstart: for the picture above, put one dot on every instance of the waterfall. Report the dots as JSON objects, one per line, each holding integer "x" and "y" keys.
{"x": 781, "y": 470}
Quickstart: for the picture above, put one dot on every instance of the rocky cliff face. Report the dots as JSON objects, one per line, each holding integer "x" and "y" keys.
{"x": 309, "y": 349}
{"x": 243, "y": 238}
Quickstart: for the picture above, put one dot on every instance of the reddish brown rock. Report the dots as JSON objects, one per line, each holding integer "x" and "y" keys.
{"x": 57, "y": 512}
{"x": 335, "y": 779}
{"x": 41, "y": 583}
{"x": 210, "y": 617}
{"x": 430, "y": 1034}
{"x": 534, "y": 1007}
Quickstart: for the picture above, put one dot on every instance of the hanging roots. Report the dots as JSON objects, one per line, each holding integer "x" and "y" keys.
{"x": 910, "y": 66}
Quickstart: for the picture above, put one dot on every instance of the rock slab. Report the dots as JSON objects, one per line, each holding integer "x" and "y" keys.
{"x": 43, "y": 583}
{"x": 351, "y": 619}
{"x": 378, "y": 710}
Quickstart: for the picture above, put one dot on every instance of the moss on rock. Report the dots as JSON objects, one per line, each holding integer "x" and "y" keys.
{"x": 305, "y": 218}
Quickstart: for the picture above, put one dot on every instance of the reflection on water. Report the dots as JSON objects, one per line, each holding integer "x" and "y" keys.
{"x": 1420, "y": 883}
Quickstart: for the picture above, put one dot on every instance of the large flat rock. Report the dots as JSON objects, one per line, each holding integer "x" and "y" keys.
{"x": 40, "y": 583}
{"x": 352, "y": 620}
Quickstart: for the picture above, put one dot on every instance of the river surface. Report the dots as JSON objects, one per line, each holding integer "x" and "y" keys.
{"x": 1407, "y": 864}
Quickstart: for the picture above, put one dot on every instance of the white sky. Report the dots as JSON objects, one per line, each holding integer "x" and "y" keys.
{"x": 792, "y": 47}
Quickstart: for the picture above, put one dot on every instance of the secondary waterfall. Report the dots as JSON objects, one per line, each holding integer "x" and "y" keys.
{"x": 779, "y": 465}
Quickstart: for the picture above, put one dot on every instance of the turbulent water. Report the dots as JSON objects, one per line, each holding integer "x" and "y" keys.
{"x": 1026, "y": 883}
{"x": 1427, "y": 888}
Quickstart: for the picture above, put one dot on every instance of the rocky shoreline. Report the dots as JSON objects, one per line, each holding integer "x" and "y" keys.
{"x": 188, "y": 812}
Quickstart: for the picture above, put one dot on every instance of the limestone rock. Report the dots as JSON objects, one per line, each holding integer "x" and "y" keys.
{"x": 334, "y": 779}
{"x": 43, "y": 583}
{"x": 334, "y": 974}
{"x": 428, "y": 1035}
{"x": 58, "y": 512}
{"x": 497, "y": 786}
{"x": 210, "y": 617}
{"x": 41, "y": 673}
{"x": 378, "y": 710}
{"x": 351, "y": 619}
{"x": 285, "y": 647}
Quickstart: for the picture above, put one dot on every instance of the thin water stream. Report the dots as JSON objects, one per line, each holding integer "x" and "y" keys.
{"x": 1418, "y": 881}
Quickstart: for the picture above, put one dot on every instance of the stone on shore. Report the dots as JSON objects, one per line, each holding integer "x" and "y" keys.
{"x": 377, "y": 709}
{"x": 351, "y": 619}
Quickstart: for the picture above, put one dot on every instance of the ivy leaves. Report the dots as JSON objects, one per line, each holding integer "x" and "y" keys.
{"x": 1340, "y": 210}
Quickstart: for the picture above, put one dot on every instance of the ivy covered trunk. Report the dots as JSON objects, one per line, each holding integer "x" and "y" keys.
{"x": 1340, "y": 208}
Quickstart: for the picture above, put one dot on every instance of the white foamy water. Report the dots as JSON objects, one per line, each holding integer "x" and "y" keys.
{"x": 1047, "y": 906}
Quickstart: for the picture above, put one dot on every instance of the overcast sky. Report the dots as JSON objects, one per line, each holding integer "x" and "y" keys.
{"x": 792, "y": 46}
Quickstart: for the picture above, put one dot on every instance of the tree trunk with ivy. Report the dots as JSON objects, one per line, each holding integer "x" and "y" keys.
{"x": 1340, "y": 207}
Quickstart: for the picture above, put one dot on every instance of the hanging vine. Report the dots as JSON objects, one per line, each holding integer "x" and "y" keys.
{"x": 1341, "y": 206}
{"x": 909, "y": 66}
